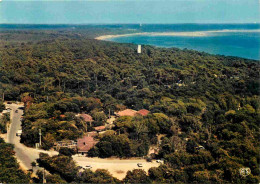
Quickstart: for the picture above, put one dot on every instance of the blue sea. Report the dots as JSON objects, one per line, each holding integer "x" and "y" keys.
{"x": 242, "y": 40}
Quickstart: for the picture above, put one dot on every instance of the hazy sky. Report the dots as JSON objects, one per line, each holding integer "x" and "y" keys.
{"x": 129, "y": 11}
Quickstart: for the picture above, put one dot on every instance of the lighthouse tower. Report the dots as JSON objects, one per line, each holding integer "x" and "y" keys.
{"x": 139, "y": 49}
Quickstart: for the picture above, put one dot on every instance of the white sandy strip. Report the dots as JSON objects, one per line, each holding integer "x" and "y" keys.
{"x": 192, "y": 34}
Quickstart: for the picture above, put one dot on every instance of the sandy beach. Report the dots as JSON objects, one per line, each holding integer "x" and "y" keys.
{"x": 191, "y": 34}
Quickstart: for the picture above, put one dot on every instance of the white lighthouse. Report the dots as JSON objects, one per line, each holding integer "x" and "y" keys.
{"x": 139, "y": 49}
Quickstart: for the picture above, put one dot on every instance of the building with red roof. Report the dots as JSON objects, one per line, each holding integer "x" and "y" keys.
{"x": 126, "y": 112}
{"x": 86, "y": 117}
{"x": 85, "y": 143}
{"x": 132, "y": 113}
{"x": 143, "y": 112}
{"x": 99, "y": 128}
{"x": 62, "y": 116}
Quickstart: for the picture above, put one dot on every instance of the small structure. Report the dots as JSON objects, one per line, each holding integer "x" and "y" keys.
{"x": 86, "y": 117}
{"x": 92, "y": 134}
{"x": 62, "y": 116}
{"x": 143, "y": 112}
{"x": 85, "y": 143}
{"x": 132, "y": 113}
{"x": 199, "y": 148}
{"x": 139, "y": 49}
{"x": 180, "y": 83}
{"x": 127, "y": 112}
{"x": 65, "y": 144}
{"x": 100, "y": 128}
{"x": 19, "y": 132}
{"x": 244, "y": 172}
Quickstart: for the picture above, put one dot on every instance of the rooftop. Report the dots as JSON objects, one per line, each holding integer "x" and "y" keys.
{"x": 86, "y": 117}
{"x": 143, "y": 112}
{"x": 85, "y": 143}
{"x": 127, "y": 112}
{"x": 99, "y": 128}
{"x": 132, "y": 113}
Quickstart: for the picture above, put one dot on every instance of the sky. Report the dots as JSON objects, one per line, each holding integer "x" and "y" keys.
{"x": 129, "y": 11}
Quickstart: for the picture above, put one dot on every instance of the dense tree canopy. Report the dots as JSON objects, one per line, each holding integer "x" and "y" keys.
{"x": 204, "y": 109}
{"x": 10, "y": 171}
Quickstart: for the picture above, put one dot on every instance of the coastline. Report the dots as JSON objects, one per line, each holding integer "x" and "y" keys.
{"x": 187, "y": 34}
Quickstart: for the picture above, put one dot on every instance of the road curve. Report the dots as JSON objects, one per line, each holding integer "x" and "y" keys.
{"x": 24, "y": 154}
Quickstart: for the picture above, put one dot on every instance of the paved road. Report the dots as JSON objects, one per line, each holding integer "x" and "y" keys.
{"x": 24, "y": 154}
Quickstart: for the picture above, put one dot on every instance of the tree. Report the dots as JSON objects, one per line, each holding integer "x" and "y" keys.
{"x": 67, "y": 151}
{"x": 2, "y": 106}
{"x": 139, "y": 128}
{"x": 191, "y": 145}
{"x": 48, "y": 141}
{"x": 99, "y": 116}
{"x": 33, "y": 164}
{"x": 99, "y": 176}
{"x": 136, "y": 176}
{"x": 54, "y": 178}
{"x": 105, "y": 149}
{"x": 59, "y": 164}
{"x": 27, "y": 100}
{"x": 163, "y": 122}
{"x": 10, "y": 171}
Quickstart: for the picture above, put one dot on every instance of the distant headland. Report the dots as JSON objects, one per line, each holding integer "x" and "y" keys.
{"x": 189, "y": 34}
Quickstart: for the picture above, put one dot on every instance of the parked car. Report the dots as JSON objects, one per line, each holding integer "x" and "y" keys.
{"x": 88, "y": 166}
{"x": 159, "y": 161}
{"x": 140, "y": 165}
{"x": 16, "y": 111}
{"x": 199, "y": 148}
{"x": 9, "y": 102}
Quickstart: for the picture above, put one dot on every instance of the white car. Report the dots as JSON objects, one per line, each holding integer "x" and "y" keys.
{"x": 159, "y": 161}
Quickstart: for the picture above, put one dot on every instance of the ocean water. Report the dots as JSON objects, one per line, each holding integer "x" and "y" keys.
{"x": 241, "y": 44}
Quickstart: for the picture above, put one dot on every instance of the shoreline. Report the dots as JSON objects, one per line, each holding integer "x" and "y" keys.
{"x": 187, "y": 34}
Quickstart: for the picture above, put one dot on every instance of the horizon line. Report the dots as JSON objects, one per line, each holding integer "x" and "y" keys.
{"x": 80, "y": 24}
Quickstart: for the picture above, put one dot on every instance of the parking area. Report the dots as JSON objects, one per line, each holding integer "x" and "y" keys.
{"x": 117, "y": 167}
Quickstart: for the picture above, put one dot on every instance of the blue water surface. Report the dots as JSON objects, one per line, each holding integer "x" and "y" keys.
{"x": 241, "y": 44}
